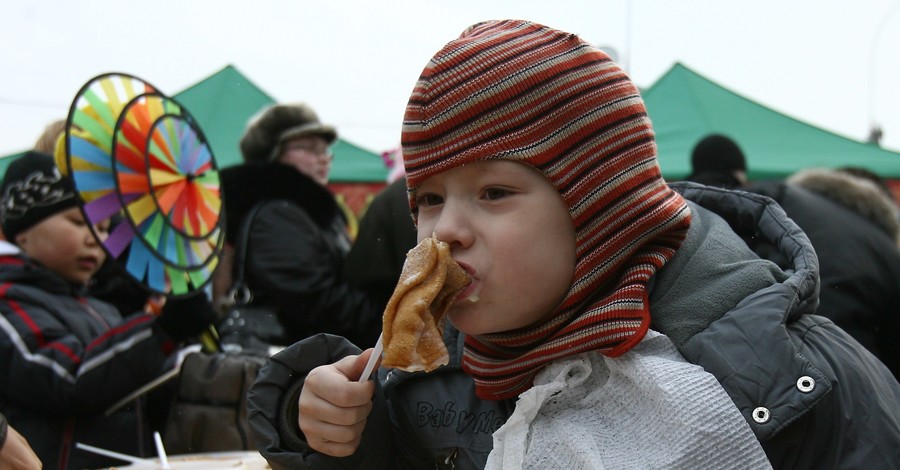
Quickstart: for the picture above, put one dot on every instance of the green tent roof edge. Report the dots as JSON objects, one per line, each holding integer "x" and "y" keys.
{"x": 366, "y": 166}
{"x": 681, "y": 71}
{"x": 226, "y": 68}
{"x": 646, "y": 92}
{"x": 361, "y": 164}
{"x": 737, "y": 95}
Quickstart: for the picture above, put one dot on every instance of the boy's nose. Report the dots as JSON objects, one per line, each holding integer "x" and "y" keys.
{"x": 454, "y": 226}
{"x": 91, "y": 239}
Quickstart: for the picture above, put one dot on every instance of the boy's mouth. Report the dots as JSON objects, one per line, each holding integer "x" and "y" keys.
{"x": 471, "y": 292}
{"x": 88, "y": 262}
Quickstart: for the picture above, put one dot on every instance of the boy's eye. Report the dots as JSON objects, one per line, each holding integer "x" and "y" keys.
{"x": 428, "y": 199}
{"x": 495, "y": 193}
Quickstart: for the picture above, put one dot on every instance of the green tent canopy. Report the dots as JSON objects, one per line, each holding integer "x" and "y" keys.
{"x": 223, "y": 103}
{"x": 685, "y": 106}
{"x": 7, "y": 159}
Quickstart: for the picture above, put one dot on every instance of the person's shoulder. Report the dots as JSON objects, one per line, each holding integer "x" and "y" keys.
{"x": 19, "y": 269}
{"x": 32, "y": 288}
{"x": 279, "y": 223}
{"x": 8, "y": 261}
{"x": 281, "y": 211}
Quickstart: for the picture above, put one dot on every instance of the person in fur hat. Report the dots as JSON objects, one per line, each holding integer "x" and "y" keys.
{"x": 612, "y": 320}
{"x": 298, "y": 238}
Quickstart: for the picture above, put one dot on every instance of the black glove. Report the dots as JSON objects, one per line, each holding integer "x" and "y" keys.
{"x": 183, "y": 317}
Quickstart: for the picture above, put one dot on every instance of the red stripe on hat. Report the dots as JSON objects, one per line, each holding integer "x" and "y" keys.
{"x": 520, "y": 91}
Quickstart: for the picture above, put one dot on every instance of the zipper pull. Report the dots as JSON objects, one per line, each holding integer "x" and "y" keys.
{"x": 447, "y": 463}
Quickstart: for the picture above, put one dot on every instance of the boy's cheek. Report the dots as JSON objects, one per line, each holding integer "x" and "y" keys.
{"x": 424, "y": 228}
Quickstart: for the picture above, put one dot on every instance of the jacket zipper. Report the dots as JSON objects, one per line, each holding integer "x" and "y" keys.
{"x": 448, "y": 462}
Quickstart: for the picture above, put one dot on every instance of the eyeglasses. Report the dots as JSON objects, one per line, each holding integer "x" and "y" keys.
{"x": 319, "y": 151}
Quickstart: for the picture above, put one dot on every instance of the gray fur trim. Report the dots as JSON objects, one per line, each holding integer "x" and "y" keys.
{"x": 857, "y": 194}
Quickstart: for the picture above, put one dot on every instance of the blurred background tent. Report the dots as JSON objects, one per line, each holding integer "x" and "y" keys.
{"x": 226, "y": 100}
{"x": 223, "y": 103}
{"x": 686, "y": 106}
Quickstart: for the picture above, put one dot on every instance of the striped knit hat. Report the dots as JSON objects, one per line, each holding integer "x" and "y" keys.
{"x": 521, "y": 91}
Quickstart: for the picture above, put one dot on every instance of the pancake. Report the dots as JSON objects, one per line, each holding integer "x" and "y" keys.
{"x": 413, "y": 319}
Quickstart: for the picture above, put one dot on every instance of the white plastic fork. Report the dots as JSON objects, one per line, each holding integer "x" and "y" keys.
{"x": 373, "y": 361}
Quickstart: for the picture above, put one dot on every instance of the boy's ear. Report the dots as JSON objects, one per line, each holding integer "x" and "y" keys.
{"x": 22, "y": 240}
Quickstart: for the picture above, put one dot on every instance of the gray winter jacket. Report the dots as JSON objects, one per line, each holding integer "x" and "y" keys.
{"x": 814, "y": 397}
{"x": 66, "y": 359}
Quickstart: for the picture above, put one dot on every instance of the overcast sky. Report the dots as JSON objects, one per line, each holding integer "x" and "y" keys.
{"x": 831, "y": 63}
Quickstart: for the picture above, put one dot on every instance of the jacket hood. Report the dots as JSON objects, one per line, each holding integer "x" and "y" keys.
{"x": 768, "y": 231}
{"x": 765, "y": 317}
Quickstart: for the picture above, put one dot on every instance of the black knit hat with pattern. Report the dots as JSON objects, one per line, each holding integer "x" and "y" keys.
{"x": 32, "y": 190}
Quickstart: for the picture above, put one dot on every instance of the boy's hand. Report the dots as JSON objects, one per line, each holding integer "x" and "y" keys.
{"x": 17, "y": 454}
{"x": 334, "y": 406}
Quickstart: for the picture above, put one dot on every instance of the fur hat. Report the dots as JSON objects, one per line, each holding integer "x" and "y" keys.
{"x": 32, "y": 190}
{"x": 520, "y": 91}
{"x": 717, "y": 153}
{"x": 278, "y": 123}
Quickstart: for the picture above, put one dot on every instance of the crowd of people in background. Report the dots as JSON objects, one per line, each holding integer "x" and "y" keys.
{"x": 609, "y": 298}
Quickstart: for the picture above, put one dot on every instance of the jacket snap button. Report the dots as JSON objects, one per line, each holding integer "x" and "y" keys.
{"x": 761, "y": 415}
{"x": 806, "y": 384}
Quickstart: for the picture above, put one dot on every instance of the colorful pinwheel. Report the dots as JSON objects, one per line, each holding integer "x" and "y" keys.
{"x": 140, "y": 161}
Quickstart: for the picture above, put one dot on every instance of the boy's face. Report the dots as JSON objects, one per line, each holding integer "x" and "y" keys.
{"x": 63, "y": 242}
{"x": 509, "y": 227}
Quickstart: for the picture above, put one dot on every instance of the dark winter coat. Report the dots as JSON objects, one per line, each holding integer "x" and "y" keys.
{"x": 859, "y": 266}
{"x": 296, "y": 251}
{"x": 68, "y": 358}
{"x": 813, "y": 396}
{"x": 386, "y": 233}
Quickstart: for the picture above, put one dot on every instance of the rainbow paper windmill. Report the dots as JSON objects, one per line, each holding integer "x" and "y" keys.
{"x": 140, "y": 161}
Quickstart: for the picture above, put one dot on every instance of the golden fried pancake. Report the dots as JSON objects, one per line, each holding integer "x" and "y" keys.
{"x": 412, "y": 332}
